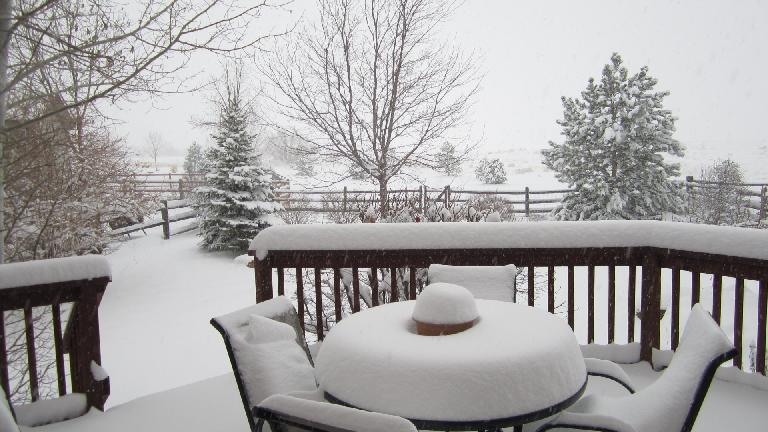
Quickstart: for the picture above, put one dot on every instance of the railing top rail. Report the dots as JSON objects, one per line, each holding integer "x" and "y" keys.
{"x": 52, "y": 271}
{"x": 714, "y": 240}
{"x": 712, "y": 182}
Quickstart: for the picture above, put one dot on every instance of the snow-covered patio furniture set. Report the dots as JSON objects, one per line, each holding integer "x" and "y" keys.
{"x": 514, "y": 365}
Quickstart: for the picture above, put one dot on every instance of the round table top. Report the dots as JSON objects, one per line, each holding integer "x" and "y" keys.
{"x": 515, "y": 361}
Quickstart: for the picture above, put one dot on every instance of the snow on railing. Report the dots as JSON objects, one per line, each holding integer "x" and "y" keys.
{"x": 50, "y": 311}
{"x": 662, "y": 251}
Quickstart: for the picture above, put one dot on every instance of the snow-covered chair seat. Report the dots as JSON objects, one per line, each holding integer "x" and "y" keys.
{"x": 303, "y": 413}
{"x": 484, "y": 282}
{"x": 268, "y": 352}
{"x": 673, "y": 401}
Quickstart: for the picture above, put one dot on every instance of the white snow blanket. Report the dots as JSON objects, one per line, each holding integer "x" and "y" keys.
{"x": 444, "y": 303}
{"x": 732, "y": 241}
{"x": 515, "y": 360}
{"x": 484, "y": 282}
{"x": 53, "y": 270}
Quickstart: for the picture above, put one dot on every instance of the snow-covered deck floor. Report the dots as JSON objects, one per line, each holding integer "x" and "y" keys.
{"x": 214, "y": 405}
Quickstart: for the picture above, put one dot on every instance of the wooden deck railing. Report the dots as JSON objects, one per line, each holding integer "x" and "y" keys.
{"x": 646, "y": 262}
{"x": 77, "y": 339}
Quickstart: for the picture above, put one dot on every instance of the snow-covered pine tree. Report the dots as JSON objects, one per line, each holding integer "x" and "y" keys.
{"x": 238, "y": 200}
{"x": 616, "y": 135}
{"x": 448, "y": 162}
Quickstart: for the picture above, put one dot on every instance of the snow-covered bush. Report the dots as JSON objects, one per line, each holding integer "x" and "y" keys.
{"x": 491, "y": 171}
{"x": 487, "y": 204}
{"x": 238, "y": 200}
{"x": 615, "y": 138}
{"x": 720, "y": 201}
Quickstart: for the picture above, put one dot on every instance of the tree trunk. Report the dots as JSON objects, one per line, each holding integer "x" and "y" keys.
{"x": 6, "y": 7}
{"x": 383, "y": 198}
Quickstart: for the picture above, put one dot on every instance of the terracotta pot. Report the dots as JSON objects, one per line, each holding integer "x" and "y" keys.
{"x": 431, "y": 329}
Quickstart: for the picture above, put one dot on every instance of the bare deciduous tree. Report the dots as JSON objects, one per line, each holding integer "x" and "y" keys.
{"x": 127, "y": 48}
{"x": 155, "y": 143}
{"x": 369, "y": 86}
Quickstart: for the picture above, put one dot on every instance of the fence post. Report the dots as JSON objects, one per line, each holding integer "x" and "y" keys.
{"x": 166, "y": 222}
{"x": 344, "y": 201}
{"x": 446, "y": 194}
{"x": 181, "y": 189}
{"x": 650, "y": 313}
{"x": 763, "y": 205}
{"x": 527, "y": 202}
{"x": 421, "y": 200}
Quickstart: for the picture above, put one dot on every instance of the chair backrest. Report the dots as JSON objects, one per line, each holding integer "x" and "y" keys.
{"x": 484, "y": 282}
{"x": 682, "y": 387}
{"x": 311, "y": 415}
{"x": 270, "y": 362}
{"x": 7, "y": 416}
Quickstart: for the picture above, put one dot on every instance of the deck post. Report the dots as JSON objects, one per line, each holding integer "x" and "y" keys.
{"x": 263, "y": 277}
{"x": 650, "y": 314}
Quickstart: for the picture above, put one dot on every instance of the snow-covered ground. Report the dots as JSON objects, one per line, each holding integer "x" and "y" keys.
{"x": 154, "y": 316}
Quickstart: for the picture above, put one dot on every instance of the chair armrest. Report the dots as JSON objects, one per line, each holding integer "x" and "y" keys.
{"x": 307, "y": 414}
{"x": 49, "y": 411}
{"x": 586, "y": 421}
{"x": 610, "y": 370}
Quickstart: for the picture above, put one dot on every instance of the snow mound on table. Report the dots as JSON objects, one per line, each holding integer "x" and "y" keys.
{"x": 512, "y": 350}
{"x": 444, "y": 303}
{"x": 53, "y": 270}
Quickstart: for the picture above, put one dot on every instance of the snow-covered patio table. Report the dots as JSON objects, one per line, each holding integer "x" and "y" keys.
{"x": 517, "y": 364}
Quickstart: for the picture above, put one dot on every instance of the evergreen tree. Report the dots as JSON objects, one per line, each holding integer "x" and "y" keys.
{"x": 448, "y": 162}
{"x": 194, "y": 161}
{"x": 238, "y": 201}
{"x": 491, "y": 171}
{"x": 612, "y": 154}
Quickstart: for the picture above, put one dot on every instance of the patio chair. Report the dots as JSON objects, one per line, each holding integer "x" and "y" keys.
{"x": 287, "y": 411}
{"x": 673, "y": 401}
{"x": 484, "y": 282}
{"x": 268, "y": 353}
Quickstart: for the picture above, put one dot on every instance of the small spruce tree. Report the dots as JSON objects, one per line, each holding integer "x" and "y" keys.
{"x": 194, "y": 161}
{"x": 238, "y": 200}
{"x": 448, "y": 162}
{"x": 721, "y": 201}
{"x": 491, "y": 171}
{"x": 616, "y": 136}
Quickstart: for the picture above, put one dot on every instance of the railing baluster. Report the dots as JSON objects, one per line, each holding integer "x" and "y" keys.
{"x": 58, "y": 345}
{"x": 650, "y": 332}
{"x": 280, "y": 281}
{"x": 393, "y": 296}
{"x": 631, "y": 288}
{"x": 738, "y": 321}
{"x": 337, "y": 294}
{"x": 591, "y": 304}
{"x": 695, "y": 288}
{"x": 355, "y": 290}
{"x": 611, "y": 303}
{"x": 551, "y": 289}
{"x": 29, "y": 330}
{"x": 531, "y": 288}
{"x": 4, "y": 358}
{"x": 762, "y": 317}
{"x": 300, "y": 295}
{"x": 675, "y": 307}
{"x": 374, "y": 286}
{"x": 319, "y": 304}
{"x": 412, "y": 283}
{"x": 571, "y": 300}
{"x": 717, "y": 296}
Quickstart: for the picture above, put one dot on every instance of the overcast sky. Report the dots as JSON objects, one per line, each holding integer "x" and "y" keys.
{"x": 711, "y": 56}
